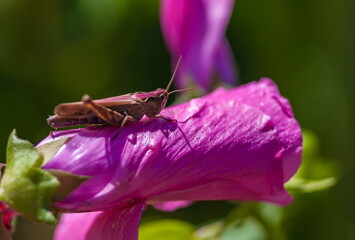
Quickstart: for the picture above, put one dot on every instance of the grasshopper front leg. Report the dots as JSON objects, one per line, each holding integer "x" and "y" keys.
{"x": 165, "y": 118}
{"x": 111, "y": 117}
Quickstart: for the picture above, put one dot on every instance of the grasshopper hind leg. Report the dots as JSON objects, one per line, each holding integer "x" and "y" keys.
{"x": 126, "y": 120}
{"x": 109, "y": 116}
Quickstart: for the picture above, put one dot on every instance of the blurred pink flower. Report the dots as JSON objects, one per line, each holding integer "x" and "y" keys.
{"x": 196, "y": 30}
{"x": 6, "y": 217}
{"x": 240, "y": 144}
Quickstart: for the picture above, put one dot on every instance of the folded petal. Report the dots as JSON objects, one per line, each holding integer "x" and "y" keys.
{"x": 109, "y": 225}
{"x": 240, "y": 144}
{"x": 195, "y": 30}
{"x": 75, "y": 226}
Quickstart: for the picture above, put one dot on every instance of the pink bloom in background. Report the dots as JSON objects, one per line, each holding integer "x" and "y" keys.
{"x": 196, "y": 30}
{"x": 6, "y": 217}
{"x": 240, "y": 144}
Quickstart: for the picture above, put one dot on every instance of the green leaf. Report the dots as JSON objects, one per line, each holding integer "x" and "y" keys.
{"x": 316, "y": 173}
{"x": 210, "y": 231}
{"x": 166, "y": 230}
{"x": 314, "y": 166}
{"x": 308, "y": 186}
{"x": 248, "y": 229}
{"x": 245, "y": 229}
{"x": 272, "y": 213}
{"x": 25, "y": 187}
{"x": 310, "y": 143}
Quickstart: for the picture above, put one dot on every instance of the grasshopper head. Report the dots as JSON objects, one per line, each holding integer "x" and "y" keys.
{"x": 155, "y": 102}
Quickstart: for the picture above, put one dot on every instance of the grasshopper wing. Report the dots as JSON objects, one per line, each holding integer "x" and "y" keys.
{"x": 79, "y": 109}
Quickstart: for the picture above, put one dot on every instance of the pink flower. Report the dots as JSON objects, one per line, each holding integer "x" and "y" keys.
{"x": 196, "y": 30}
{"x": 6, "y": 217}
{"x": 240, "y": 144}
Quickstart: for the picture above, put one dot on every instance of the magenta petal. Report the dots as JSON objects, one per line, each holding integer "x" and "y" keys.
{"x": 171, "y": 206}
{"x": 240, "y": 144}
{"x": 109, "y": 225}
{"x": 184, "y": 25}
{"x": 75, "y": 226}
{"x": 121, "y": 224}
{"x": 225, "y": 64}
{"x": 195, "y": 30}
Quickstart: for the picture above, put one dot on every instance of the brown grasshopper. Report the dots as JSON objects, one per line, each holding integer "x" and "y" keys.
{"x": 115, "y": 111}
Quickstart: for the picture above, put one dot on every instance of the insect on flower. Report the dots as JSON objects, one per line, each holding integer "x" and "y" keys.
{"x": 115, "y": 111}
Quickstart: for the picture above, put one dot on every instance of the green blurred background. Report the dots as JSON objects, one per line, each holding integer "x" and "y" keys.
{"x": 54, "y": 51}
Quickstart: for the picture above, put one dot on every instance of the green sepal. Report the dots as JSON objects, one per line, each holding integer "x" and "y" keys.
{"x": 68, "y": 183}
{"x": 25, "y": 187}
{"x": 49, "y": 150}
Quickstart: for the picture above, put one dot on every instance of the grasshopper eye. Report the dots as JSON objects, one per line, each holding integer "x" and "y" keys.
{"x": 162, "y": 96}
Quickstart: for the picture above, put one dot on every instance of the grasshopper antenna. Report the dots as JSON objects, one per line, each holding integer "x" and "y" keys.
{"x": 180, "y": 90}
{"x": 174, "y": 73}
